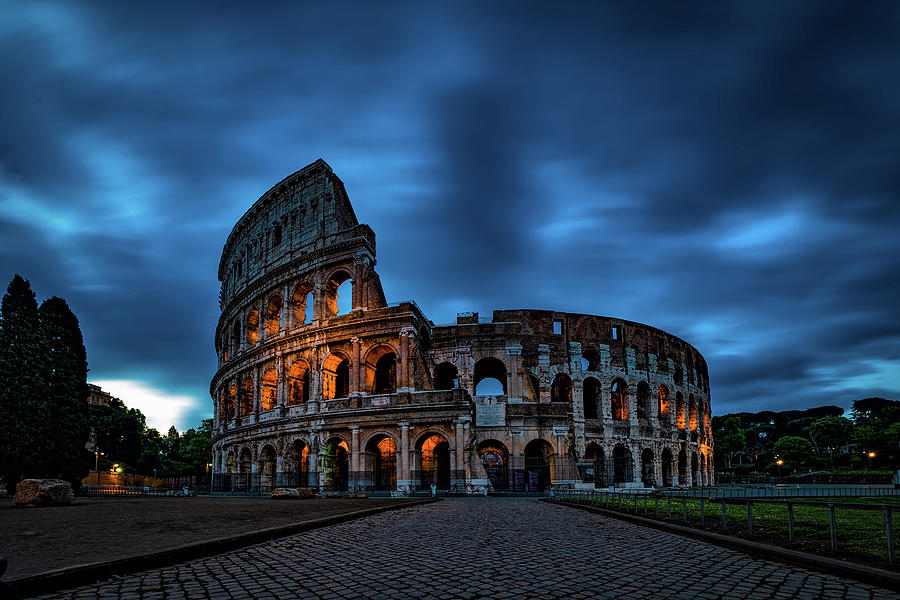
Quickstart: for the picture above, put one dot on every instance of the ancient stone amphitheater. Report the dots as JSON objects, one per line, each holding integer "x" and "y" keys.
{"x": 322, "y": 383}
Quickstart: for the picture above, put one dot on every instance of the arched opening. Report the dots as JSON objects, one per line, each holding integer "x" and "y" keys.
{"x": 247, "y": 396}
{"x": 667, "y": 468}
{"x": 623, "y": 467}
{"x": 643, "y": 401}
{"x": 538, "y": 465}
{"x": 590, "y": 360}
{"x": 534, "y": 387}
{"x": 297, "y": 466}
{"x": 382, "y": 459}
{"x": 226, "y": 346}
{"x": 595, "y": 466}
{"x": 235, "y": 337}
{"x": 230, "y": 401}
{"x": 252, "y": 326}
{"x": 434, "y": 456}
{"x": 268, "y": 393}
{"x": 266, "y": 469}
{"x": 695, "y": 469}
{"x": 446, "y": 376}
{"x": 679, "y": 410}
{"x": 663, "y": 392}
{"x": 335, "y": 463}
{"x": 490, "y": 377}
{"x": 229, "y": 463}
{"x": 336, "y": 376}
{"x": 682, "y": 467}
{"x": 591, "y": 395}
{"x": 678, "y": 376}
{"x": 648, "y": 469}
{"x": 619, "y": 400}
{"x": 302, "y": 304}
{"x": 245, "y": 464}
{"x": 338, "y": 294}
{"x": 561, "y": 389}
{"x": 381, "y": 370}
{"x": 692, "y": 413}
{"x": 495, "y": 460}
{"x": 273, "y": 315}
{"x": 298, "y": 383}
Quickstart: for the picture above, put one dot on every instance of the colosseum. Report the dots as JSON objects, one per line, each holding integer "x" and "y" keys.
{"x": 322, "y": 383}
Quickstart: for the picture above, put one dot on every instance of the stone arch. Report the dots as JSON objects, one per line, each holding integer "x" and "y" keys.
{"x": 643, "y": 401}
{"x": 446, "y": 376}
{"x": 489, "y": 367}
{"x": 432, "y": 460}
{"x": 334, "y": 460}
{"x": 273, "y": 314}
{"x": 298, "y": 379}
{"x": 296, "y": 464}
{"x": 235, "y": 337}
{"x": 333, "y": 283}
{"x": 648, "y": 468}
{"x": 245, "y": 461}
{"x": 228, "y": 463}
{"x": 266, "y": 468}
{"x": 230, "y": 401}
{"x": 695, "y": 469}
{"x": 252, "y": 326}
{"x": 619, "y": 400}
{"x": 381, "y": 369}
{"x": 380, "y": 460}
{"x": 534, "y": 386}
{"x": 663, "y": 395}
{"x": 539, "y": 464}
{"x": 247, "y": 398}
{"x": 494, "y": 457}
{"x": 679, "y": 410}
{"x": 682, "y": 467}
{"x": 590, "y": 360}
{"x": 595, "y": 471}
{"x": 268, "y": 390}
{"x": 623, "y": 466}
{"x": 302, "y": 301}
{"x": 591, "y": 395}
{"x": 692, "y": 413}
{"x": 336, "y": 375}
{"x": 667, "y": 467}
{"x": 561, "y": 389}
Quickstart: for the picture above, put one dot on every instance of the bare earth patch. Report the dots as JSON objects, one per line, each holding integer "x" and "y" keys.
{"x": 97, "y": 529}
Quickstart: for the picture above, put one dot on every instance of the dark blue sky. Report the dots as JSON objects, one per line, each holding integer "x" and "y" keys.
{"x": 727, "y": 172}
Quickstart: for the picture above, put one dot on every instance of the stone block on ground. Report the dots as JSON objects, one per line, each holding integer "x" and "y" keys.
{"x": 43, "y": 492}
{"x": 285, "y": 494}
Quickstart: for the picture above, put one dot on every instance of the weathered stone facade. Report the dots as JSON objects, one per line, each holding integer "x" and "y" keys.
{"x": 382, "y": 398}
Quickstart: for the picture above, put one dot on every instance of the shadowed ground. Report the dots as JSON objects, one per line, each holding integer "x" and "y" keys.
{"x": 96, "y": 529}
{"x": 484, "y": 548}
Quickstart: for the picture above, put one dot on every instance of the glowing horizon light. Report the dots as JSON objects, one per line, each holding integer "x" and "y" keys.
{"x": 161, "y": 408}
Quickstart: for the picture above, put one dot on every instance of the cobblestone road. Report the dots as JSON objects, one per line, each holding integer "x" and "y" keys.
{"x": 481, "y": 549}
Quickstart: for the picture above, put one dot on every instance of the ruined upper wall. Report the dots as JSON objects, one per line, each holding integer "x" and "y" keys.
{"x": 306, "y": 211}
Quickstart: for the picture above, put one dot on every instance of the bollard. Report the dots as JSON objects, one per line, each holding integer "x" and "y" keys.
{"x": 656, "y": 506}
{"x": 749, "y": 517}
{"x": 833, "y": 527}
{"x": 889, "y": 533}
{"x": 790, "y": 508}
{"x": 684, "y": 509}
{"x": 645, "y": 506}
{"x": 723, "y": 514}
{"x": 701, "y": 512}
{"x": 669, "y": 503}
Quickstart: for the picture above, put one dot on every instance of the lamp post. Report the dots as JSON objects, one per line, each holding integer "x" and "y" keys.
{"x": 870, "y": 455}
{"x": 779, "y": 462}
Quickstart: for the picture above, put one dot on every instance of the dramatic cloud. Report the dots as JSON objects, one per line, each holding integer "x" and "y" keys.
{"x": 726, "y": 172}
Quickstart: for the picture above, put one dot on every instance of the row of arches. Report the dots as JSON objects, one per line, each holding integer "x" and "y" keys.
{"x": 280, "y": 311}
{"x": 604, "y": 470}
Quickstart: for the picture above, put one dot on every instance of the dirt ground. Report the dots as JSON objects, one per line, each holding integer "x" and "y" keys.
{"x": 96, "y": 529}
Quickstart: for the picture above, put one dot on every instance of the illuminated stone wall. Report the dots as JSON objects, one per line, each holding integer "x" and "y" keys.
{"x": 380, "y": 398}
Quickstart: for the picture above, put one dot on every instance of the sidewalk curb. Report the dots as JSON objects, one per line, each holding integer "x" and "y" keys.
{"x": 77, "y": 575}
{"x": 831, "y": 566}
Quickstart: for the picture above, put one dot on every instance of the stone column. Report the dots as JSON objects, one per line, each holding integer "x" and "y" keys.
{"x": 360, "y": 266}
{"x": 514, "y": 361}
{"x": 403, "y": 482}
{"x": 256, "y": 390}
{"x": 460, "y": 447}
{"x": 544, "y": 370}
{"x": 354, "y": 456}
{"x": 282, "y": 384}
{"x": 636, "y": 461}
{"x": 357, "y": 370}
{"x": 403, "y": 372}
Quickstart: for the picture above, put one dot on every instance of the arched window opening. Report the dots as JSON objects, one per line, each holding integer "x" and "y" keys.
{"x": 381, "y": 370}
{"x": 252, "y": 327}
{"x": 648, "y": 469}
{"x": 623, "y": 467}
{"x": 301, "y": 304}
{"x": 235, "y": 337}
{"x": 490, "y": 368}
{"x": 336, "y": 377}
{"x": 663, "y": 392}
{"x": 382, "y": 459}
{"x": 682, "y": 467}
{"x": 435, "y": 463}
{"x": 591, "y": 395}
{"x": 273, "y": 316}
{"x": 692, "y": 413}
{"x": 266, "y": 469}
{"x": 338, "y": 294}
{"x": 301, "y": 456}
{"x": 679, "y": 410}
{"x": 268, "y": 396}
{"x": 230, "y": 402}
{"x": 678, "y": 376}
{"x": 495, "y": 460}
{"x": 535, "y": 387}
{"x": 334, "y": 459}
{"x": 229, "y": 463}
{"x": 226, "y": 346}
{"x": 246, "y": 463}
{"x": 695, "y": 469}
{"x": 594, "y": 470}
{"x": 446, "y": 376}
{"x": 590, "y": 360}
{"x": 247, "y": 396}
{"x": 619, "y": 400}
{"x": 298, "y": 383}
{"x": 538, "y": 465}
{"x": 643, "y": 401}
{"x": 667, "y": 468}
{"x": 561, "y": 389}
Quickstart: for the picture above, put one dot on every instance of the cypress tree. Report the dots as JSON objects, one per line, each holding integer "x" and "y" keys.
{"x": 69, "y": 459}
{"x": 24, "y": 387}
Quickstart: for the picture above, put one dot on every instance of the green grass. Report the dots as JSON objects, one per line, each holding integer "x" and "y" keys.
{"x": 860, "y": 533}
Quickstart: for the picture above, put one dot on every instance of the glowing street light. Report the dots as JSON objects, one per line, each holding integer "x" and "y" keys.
{"x": 779, "y": 462}
{"x": 870, "y": 454}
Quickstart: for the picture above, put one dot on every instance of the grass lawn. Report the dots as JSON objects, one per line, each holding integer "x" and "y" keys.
{"x": 861, "y": 534}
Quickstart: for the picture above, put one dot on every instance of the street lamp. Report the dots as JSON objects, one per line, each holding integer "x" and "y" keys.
{"x": 779, "y": 462}
{"x": 870, "y": 454}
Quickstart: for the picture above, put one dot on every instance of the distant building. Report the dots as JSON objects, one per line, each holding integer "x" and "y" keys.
{"x": 97, "y": 396}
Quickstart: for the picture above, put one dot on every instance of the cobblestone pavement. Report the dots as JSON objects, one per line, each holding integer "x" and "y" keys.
{"x": 483, "y": 548}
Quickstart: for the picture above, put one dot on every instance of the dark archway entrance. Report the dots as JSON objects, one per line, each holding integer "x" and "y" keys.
{"x": 382, "y": 459}
{"x": 495, "y": 460}
{"x": 336, "y": 465}
{"x": 648, "y": 474}
{"x": 594, "y": 466}
{"x": 667, "y": 468}
{"x": 435, "y": 463}
{"x": 538, "y": 465}
{"x": 623, "y": 467}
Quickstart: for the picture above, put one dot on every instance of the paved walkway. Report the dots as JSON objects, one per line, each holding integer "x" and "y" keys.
{"x": 487, "y": 548}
